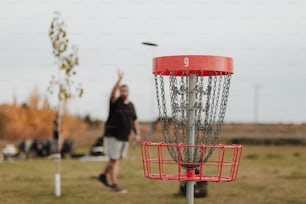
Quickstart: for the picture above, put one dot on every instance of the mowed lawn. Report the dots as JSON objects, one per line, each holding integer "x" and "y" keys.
{"x": 268, "y": 174}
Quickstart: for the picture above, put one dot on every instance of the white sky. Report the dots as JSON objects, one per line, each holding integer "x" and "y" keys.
{"x": 266, "y": 38}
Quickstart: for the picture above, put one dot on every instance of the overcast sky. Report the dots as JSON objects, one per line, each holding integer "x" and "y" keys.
{"x": 266, "y": 39}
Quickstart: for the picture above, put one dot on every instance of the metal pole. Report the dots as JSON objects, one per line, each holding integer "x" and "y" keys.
{"x": 191, "y": 134}
{"x": 256, "y": 94}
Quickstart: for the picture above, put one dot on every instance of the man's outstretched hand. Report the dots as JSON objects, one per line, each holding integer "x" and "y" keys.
{"x": 120, "y": 75}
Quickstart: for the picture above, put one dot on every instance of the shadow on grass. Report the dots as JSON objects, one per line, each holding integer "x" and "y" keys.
{"x": 296, "y": 175}
{"x": 251, "y": 156}
{"x": 273, "y": 156}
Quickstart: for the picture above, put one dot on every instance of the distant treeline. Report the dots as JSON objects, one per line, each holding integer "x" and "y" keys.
{"x": 267, "y": 141}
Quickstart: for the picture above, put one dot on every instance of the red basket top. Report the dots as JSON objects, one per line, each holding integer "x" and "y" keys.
{"x": 201, "y": 65}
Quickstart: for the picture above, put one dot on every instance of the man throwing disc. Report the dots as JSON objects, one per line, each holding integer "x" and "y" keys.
{"x": 121, "y": 120}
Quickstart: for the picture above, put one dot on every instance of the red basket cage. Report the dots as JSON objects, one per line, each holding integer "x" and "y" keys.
{"x": 221, "y": 166}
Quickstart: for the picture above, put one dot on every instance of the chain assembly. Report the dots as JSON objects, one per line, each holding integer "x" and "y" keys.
{"x": 205, "y": 102}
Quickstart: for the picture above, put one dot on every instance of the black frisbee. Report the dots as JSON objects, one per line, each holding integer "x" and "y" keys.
{"x": 149, "y": 44}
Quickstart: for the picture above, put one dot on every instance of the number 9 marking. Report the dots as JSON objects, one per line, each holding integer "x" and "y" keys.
{"x": 186, "y": 62}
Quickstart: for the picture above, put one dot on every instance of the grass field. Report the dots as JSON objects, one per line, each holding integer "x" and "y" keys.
{"x": 268, "y": 174}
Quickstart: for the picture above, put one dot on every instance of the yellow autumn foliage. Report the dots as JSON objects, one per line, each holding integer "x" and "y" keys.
{"x": 34, "y": 119}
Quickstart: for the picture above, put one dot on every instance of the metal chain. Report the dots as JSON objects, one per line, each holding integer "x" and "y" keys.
{"x": 211, "y": 96}
{"x": 167, "y": 136}
{"x": 206, "y": 111}
{"x": 223, "y": 105}
{"x": 174, "y": 104}
{"x": 213, "y": 112}
{"x": 215, "y": 127}
{"x": 160, "y": 109}
{"x": 183, "y": 105}
{"x": 199, "y": 126}
{"x": 212, "y": 104}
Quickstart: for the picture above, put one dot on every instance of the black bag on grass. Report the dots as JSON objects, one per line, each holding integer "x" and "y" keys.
{"x": 200, "y": 188}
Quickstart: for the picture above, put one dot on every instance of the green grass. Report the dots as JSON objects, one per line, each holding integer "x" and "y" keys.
{"x": 275, "y": 175}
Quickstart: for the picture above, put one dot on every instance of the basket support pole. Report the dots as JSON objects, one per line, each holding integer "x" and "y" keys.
{"x": 191, "y": 134}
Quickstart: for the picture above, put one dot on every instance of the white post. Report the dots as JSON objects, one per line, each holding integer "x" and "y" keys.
{"x": 191, "y": 134}
{"x": 57, "y": 175}
{"x": 57, "y": 180}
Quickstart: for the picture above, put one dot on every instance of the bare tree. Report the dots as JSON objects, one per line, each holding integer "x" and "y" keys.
{"x": 63, "y": 85}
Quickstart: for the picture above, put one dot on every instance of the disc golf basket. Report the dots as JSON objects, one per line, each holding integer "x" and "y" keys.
{"x": 192, "y": 93}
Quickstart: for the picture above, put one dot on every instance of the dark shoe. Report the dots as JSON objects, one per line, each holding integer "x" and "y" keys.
{"x": 116, "y": 189}
{"x": 102, "y": 178}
